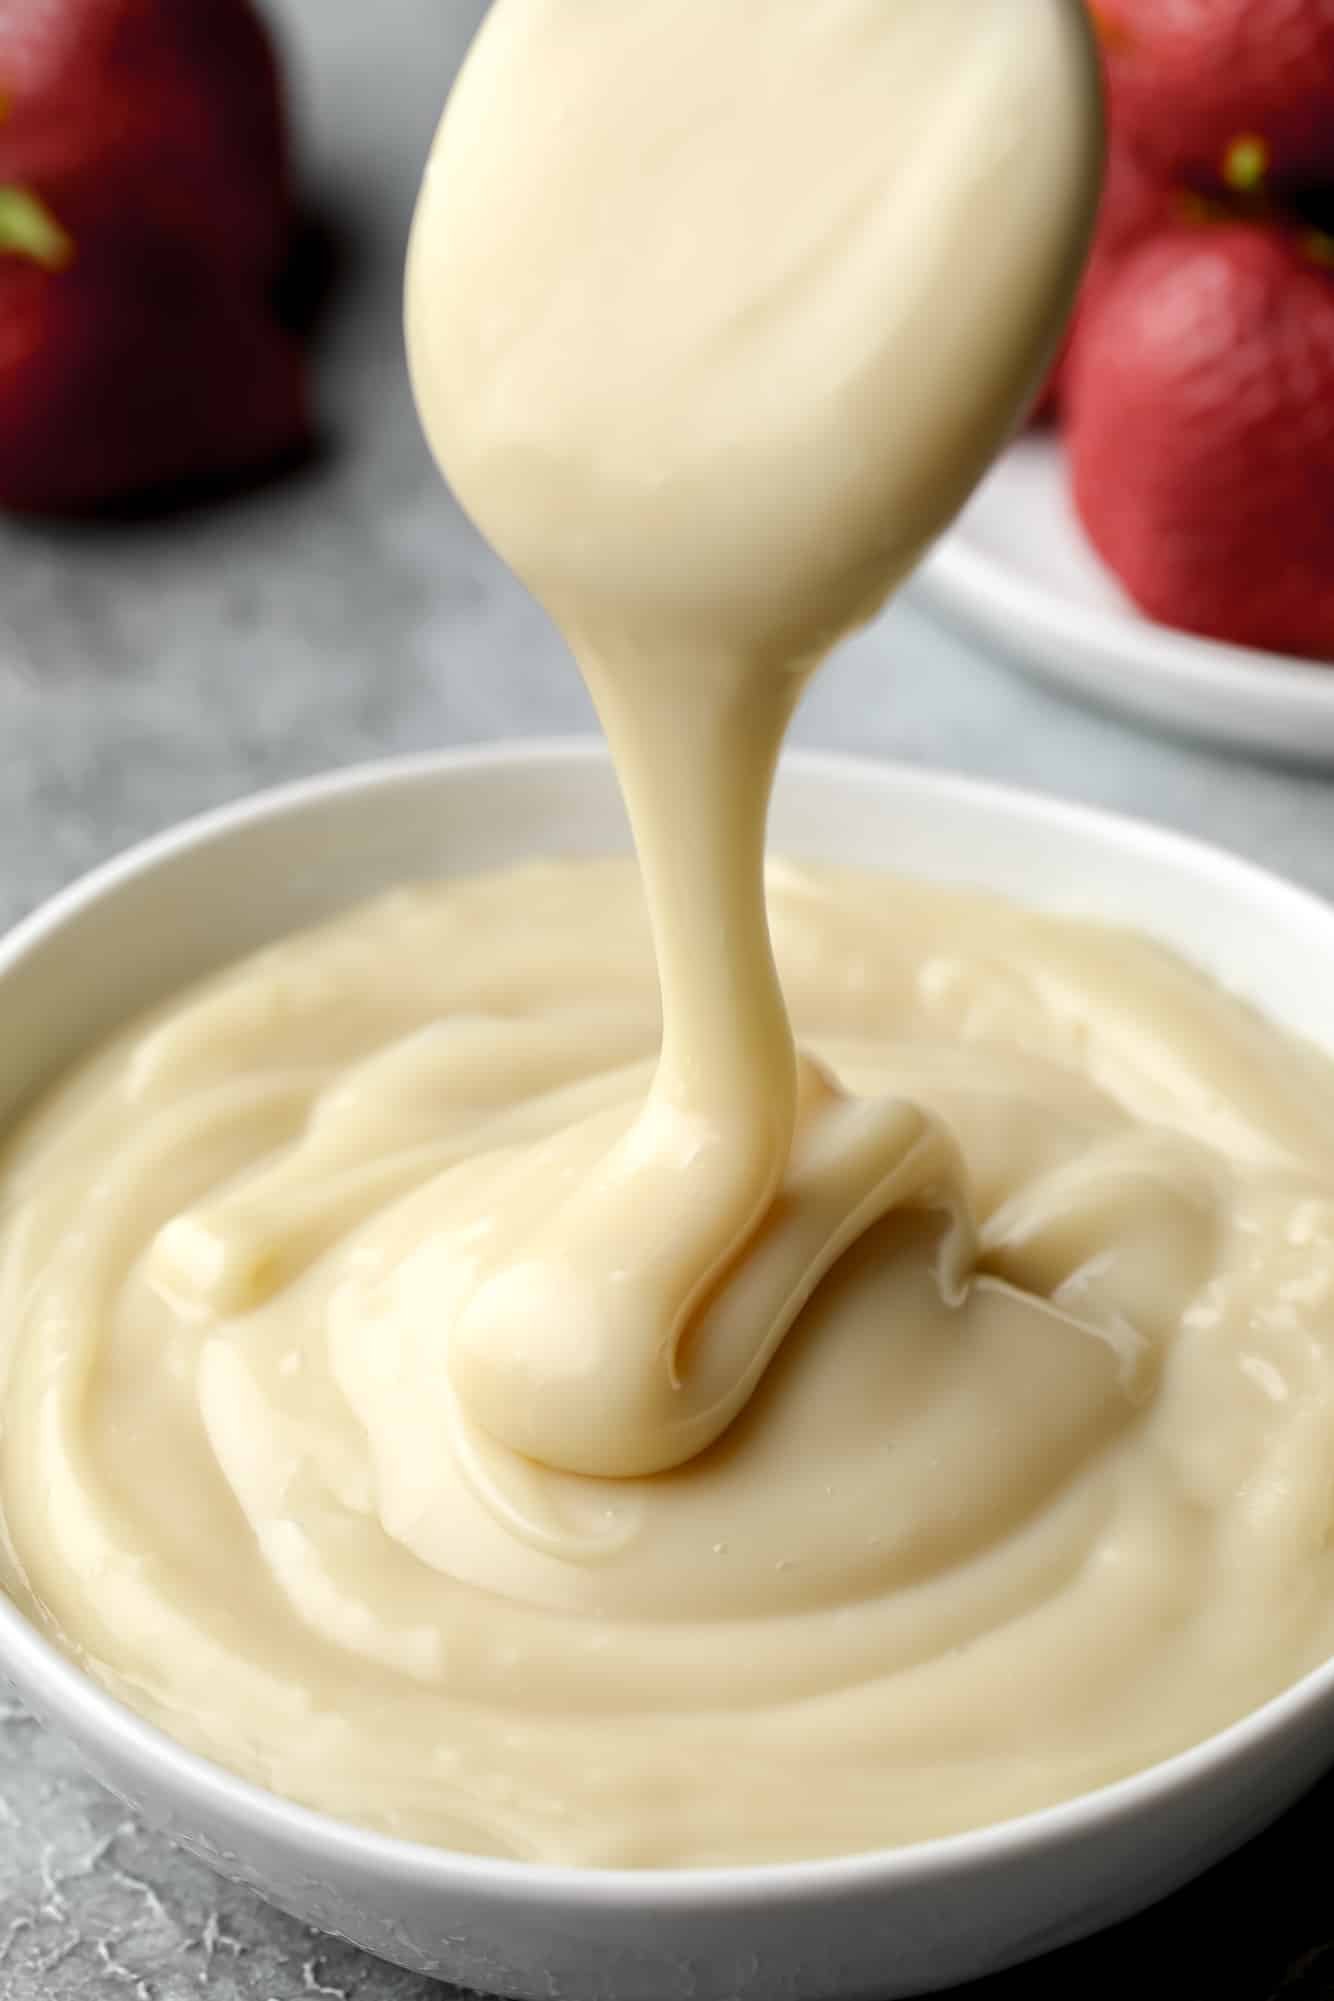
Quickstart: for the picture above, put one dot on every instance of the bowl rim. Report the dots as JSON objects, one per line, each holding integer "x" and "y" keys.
{"x": 72, "y": 1698}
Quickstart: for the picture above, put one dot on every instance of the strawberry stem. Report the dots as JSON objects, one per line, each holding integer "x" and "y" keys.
{"x": 28, "y": 229}
{"x": 1245, "y": 164}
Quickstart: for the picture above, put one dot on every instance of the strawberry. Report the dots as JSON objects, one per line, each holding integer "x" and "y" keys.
{"x": 1135, "y": 202}
{"x": 1234, "y": 92}
{"x": 145, "y": 213}
{"x": 133, "y": 366}
{"x": 1202, "y": 432}
{"x": 166, "y": 112}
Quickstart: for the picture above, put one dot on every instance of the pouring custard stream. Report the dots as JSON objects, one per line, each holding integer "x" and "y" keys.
{"x": 474, "y": 1368}
{"x": 711, "y": 401}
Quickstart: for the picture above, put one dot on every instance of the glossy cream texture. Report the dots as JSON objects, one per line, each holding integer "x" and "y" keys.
{"x": 479, "y": 1370}
{"x": 952, "y": 1561}
{"x": 715, "y": 314}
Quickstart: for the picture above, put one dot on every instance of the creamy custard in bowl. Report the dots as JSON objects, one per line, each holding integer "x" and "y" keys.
{"x": 970, "y": 1548}
{"x": 605, "y": 1365}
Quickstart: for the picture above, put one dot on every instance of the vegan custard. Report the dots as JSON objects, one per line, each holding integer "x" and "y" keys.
{"x": 559, "y": 1365}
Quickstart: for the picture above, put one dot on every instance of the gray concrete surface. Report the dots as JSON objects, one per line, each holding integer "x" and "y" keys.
{"x": 149, "y": 671}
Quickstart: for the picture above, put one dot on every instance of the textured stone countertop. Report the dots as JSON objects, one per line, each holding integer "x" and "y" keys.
{"x": 149, "y": 671}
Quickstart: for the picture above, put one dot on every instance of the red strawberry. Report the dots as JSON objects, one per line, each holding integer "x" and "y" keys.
{"x": 1233, "y": 91}
{"x": 131, "y": 367}
{"x": 145, "y": 212}
{"x": 1135, "y": 202}
{"x": 165, "y": 112}
{"x": 1202, "y": 433}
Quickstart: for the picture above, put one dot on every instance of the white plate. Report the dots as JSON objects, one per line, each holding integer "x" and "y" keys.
{"x": 1019, "y": 573}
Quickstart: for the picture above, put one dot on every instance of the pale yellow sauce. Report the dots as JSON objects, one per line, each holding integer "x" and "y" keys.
{"x": 462, "y": 1394}
{"x": 715, "y": 314}
{"x": 950, "y": 1563}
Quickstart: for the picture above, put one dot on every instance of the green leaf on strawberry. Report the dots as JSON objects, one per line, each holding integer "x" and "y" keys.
{"x": 28, "y": 229}
{"x": 1245, "y": 164}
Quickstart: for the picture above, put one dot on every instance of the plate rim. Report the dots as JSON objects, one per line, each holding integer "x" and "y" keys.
{"x": 1167, "y": 666}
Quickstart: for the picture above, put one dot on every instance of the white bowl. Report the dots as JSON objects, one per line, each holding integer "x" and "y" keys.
{"x": 893, "y": 1923}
